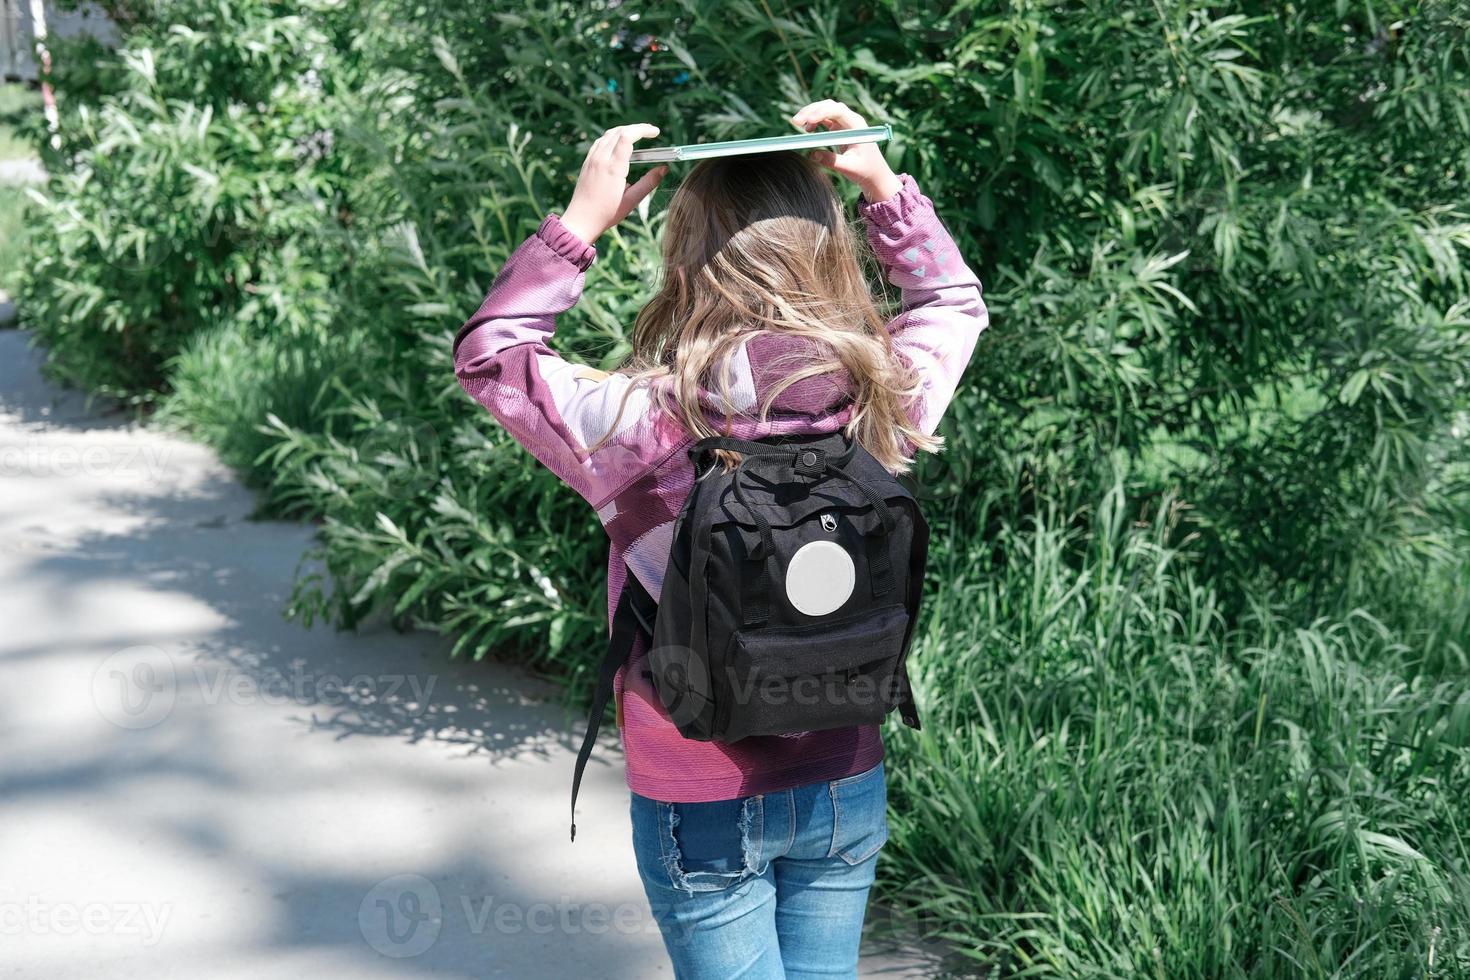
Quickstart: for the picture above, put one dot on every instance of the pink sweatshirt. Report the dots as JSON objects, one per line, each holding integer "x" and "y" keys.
{"x": 637, "y": 480}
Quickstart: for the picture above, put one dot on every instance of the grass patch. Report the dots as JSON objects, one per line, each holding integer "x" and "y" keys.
{"x": 17, "y": 102}
{"x": 13, "y": 203}
{"x": 1194, "y": 669}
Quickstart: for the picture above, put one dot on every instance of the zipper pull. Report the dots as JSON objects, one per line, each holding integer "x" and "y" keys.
{"x": 829, "y": 522}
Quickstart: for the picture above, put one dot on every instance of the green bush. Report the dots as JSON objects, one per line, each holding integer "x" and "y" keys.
{"x": 1195, "y": 661}
{"x": 196, "y": 195}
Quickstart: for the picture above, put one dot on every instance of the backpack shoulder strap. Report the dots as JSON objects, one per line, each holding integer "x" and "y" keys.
{"x": 630, "y": 617}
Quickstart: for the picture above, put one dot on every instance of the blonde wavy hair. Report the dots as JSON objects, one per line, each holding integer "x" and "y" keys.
{"x": 761, "y": 245}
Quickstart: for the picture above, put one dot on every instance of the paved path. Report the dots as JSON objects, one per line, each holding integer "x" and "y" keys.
{"x": 23, "y": 171}
{"x": 187, "y": 790}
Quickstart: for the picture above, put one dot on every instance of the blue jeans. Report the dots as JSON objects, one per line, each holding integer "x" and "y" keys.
{"x": 766, "y": 887}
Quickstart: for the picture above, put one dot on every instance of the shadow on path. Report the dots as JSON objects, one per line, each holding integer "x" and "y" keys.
{"x": 188, "y": 790}
{"x": 185, "y": 766}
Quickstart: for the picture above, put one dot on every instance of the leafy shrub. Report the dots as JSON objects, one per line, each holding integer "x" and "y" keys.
{"x": 194, "y": 196}
{"x": 1195, "y": 665}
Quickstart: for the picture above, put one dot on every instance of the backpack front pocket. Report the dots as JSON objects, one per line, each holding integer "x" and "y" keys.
{"x": 784, "y": 679}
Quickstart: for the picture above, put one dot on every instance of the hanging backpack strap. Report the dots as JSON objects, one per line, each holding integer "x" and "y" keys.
{"x": 908, "y": 708}
{"x": 631, "y": 617}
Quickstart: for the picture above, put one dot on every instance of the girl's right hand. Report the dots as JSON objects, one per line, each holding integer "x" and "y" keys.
{"x": 603, "y": 196}
{"x": 863, "y": 164}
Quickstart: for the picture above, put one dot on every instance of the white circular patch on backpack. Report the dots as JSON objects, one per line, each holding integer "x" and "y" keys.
{"x": 820, "y": 578}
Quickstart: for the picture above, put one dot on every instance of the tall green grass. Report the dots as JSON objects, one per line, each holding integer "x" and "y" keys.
{"x": 1194, "y": 666}
{"x": 1113, "y": 782}
{"x": 20, "y": 114}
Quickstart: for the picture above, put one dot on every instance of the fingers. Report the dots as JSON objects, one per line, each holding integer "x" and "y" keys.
{"x": 616, "y": 145}
{"x": 596, "y": 154}
{"x": 829, "y": 160}
{"x": 824, "y": 158}
{"x": 828, "y": 113}
{"x": 602, "y": 198}
{"x": 639, "y": 189}
{"x": 628, "y": 135}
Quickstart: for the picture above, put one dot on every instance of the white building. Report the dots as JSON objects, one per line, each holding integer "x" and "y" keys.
{"x": 18, "y": 20}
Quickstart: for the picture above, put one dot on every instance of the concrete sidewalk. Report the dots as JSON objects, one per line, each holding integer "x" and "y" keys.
{"x": 193, "y": 787}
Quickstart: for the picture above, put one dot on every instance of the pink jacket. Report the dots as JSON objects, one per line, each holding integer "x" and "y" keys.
{"x": 638, "y": 479}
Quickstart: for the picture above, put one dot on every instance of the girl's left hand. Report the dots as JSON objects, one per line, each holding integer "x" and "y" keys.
{"x": 603, "y": 196}
{"x": 863, "y": 163}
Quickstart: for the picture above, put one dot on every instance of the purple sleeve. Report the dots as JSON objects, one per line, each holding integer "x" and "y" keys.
{"x": 557, "y": 409}
{"x": 942, "y": 312}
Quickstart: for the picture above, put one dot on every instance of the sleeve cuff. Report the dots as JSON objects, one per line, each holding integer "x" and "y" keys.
{"x": 896, "y": 208}
{"x": 564, "y": 243}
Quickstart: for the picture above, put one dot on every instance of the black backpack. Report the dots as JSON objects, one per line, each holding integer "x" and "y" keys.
{"x": 789, "y": 600}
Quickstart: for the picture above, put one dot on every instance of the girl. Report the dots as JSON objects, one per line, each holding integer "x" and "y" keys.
{"x": 756, "y": 855}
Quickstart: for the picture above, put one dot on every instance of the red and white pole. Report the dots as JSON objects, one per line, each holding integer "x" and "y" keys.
{"x": 43, "y": 55}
